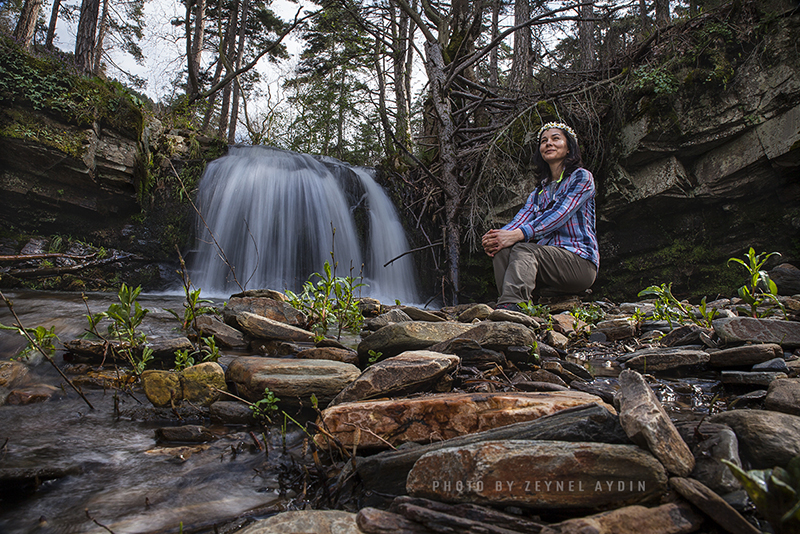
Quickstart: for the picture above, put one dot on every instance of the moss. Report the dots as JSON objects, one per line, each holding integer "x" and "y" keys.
{"x": 25, "y": 125}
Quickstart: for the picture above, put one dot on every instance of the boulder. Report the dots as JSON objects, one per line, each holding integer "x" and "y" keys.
{"x": 766, "y": 439}
{"x": 224, "y": 335}
{"x": 539, "y": 474}
{"x": 335, "y": 354}
{"x": 291, "y": 380}
{"x": 494, "y": 336}
{"x": 750, "y": 378}
{"x": 711, "y": 443}
{"x": 395, "y": 338}
{"x": 403, "y": 374}
{"x": 385, "y": 319}
{"x": 264, "y": 328}
{"x": 478, "y": 311}
{"x": 417, "y": 314}
{"x": 783, "y": 395}
{"x": 270, "y": 308}
{"x": 736, "y": 330}
{"x": 646, "y": 423}
{"x": 162, "y": 388}
{"x": 615, "y": 329}
{"x": 379, "y": 423}
{"x": 201, "y": 384}
{"x": 713, "y": 505}
{"x": 787, "y": 277}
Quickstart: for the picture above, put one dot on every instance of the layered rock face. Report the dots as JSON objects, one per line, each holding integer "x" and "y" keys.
{"x": 698, "y": 176}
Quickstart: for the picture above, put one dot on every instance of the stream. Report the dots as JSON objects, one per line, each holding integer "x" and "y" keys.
{"x": 100, "y": 470}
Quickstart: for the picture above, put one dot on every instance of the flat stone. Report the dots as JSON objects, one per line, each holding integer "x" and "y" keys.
{"x": 224, "y": 335}
{"x": 615, "y": 329}
{"x": 686, "y": 335}
{"x": 567, "y": 324}
{"x": 270, "y": 308}
{"x": 557, "y": 340}
{"x": 766, "y": 438}
{"x": 671, "y": 518}
{"x": 539, "y": 475}
{"x": 775, "y": 365}
{"x": 231, "y": 412}
{"x": 646, "y": 423}
{"x": 493, "y": 335}
{"x": 749, "y": 378}
{"x": 305, "y": 522}
{"x": 386, "y": 472}
{"x": 783, "y": 395}
{"x": 712, "y": 505}
{"x": 335, "y": 354}
{"x": 376, "y": 521}
{"x": 264, "y": 328}
{"x": 291, "y": 380}
{"x": 385, "y": 319}
{"x": 418, "y": 314}
{"x": 663, "y": 359}
{"x": 403, "y": 374}
{"x": 745, "y": 355}
{"x": 479, "y": 311}
{"x": 395, "y": 338}
{"x": 166, "y": 348}
{"x": 378, "y": 423}
{"x": 735, "y": 330}
{"x": 511, "y": 316}
{"x": 32, "y": 394}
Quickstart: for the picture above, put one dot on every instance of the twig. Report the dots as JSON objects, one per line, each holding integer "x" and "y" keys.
{"x": 413, "y": 250}
{"x": 41, "y": 350}
{"x": 96, "y": 522}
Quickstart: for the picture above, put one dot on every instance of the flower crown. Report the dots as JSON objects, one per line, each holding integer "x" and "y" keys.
{"x": 559, "y": 125}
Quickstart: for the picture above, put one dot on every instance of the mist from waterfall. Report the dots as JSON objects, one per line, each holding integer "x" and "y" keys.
{"x": 272, "y": 213}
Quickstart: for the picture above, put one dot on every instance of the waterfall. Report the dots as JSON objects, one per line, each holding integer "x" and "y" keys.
{"x": 272, "y": 212}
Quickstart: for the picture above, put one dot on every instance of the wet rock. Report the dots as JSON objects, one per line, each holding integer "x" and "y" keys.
{"x": 745, "y": 355}
{"x": 231, "y": 413}
{"x": 330, "y": 353}
{"x": 305, "y": 522}
{"x": 647, "y": 423}
{"x": 224, "y": 335}
{"x": 201, "y": 384}
{"x": 710, "y": 443}
{"x": 606, "y": 389}
{"x": 269, "y": 308}
{"x": 737, "y": 330}
{"x": 615, "y": 329}
{"x": 372, "y": 424}
{"x": 479, "y": 311}
{"x": 784, "y": 396}
{"x": 539, "y": 474}
{"x": 663, "y": 359}
{"x": 166, "y": 348}
{"x": 493, "y": 336}
{"x": 260, "y": 293}
{"x": 712, "y": 505}
{"x": 265, "y": 328}
{"x": 403, "y": 374}
{"x": 369, "y": 307}
{"x": 31, "y": 394}
{"x": 162, "y": 388}
{"x": 668, "y": 518}
{"x": 543, "y": 375}
{"x": 375, "y": 521}
{"x": 386, "y": 472}
{"x": 512, "y": 316}
{"x": 385, "y": 319}
{"x": 568, "y": 371}
{"x": 290, "y": 380}
{"x": 101, "y": 350}
{"x": 395, "y": 338}
{"x": 18, "y": 481}
{"x": 12, "y": 375}
{"x": 787, "y": 277}
{"x": 567, "y": 324}
{"x": 557, "y": 340}
{"x": 473, "y": 355}
{"x": 185, "y": 433}
{"x": 745, "y": 378}
{"x": 526, "y": 385}
{"x": 766, "y": 438}
{"x": 417, "y": 314}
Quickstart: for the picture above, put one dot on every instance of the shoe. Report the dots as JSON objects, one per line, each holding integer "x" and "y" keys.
{"x": 507, "y": 306}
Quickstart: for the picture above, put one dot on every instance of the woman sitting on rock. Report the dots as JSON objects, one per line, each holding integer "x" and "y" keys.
{"x": 551, "y": 241}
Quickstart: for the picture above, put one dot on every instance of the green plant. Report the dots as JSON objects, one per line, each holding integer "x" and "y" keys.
{"x": 208, "y": 352}
{"x": 535, "y": 310}
{"x": 183, "y": 359}
{"x": 264, "y": 408}
{"x": 708, "y": 314}
{"x": 374, "y": 356}
{"x": 194, "y": 306}
{"x": 759, "y": 288}
{"x": 668, "y": 308}
{"x": 589, "y": 314}
{"x": 775, "y": 492}
{"x": 659, "y": 80}
{"x": 41, "y": 336}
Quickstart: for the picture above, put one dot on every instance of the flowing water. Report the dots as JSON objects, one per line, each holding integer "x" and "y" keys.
{"x": 106, "y": 462}
{"x": 272, "y": 213}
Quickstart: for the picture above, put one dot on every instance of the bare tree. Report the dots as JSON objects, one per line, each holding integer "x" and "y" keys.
{"x": 26, "y": 24}
{"x": 85, "y": 37}
{"x": 586, "y": 36}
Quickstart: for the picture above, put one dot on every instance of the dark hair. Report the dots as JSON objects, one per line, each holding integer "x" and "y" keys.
{"x": 571, "y": 162}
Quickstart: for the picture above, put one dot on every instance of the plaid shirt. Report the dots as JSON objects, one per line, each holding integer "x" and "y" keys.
{"x": 561, "y": 214}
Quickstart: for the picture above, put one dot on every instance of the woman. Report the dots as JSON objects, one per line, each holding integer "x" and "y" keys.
{"x": 551, "y": 241}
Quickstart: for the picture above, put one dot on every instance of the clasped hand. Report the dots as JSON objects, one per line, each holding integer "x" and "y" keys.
{"x": 495, "y": 240}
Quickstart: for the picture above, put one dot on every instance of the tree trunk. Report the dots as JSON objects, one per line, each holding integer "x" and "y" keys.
{"x": 26, "y": 24}
{"x": 235, "y": 83}
{"x": 228, "y": 50}
{"x": 194, "y": 43}
{"x": 662, "y": 13}
{"x": 521, "y": 68}
{"x": 643, "y": 16}
{"x": 494, "y": 76}
{"x": 586, "y": 37}
{"x": 51, "y": 29}
{"x": 84, "y": 39}
{"x": 101, "y": 34}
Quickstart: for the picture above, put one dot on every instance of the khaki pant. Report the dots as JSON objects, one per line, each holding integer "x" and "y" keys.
{"x": 519, "y": 269}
